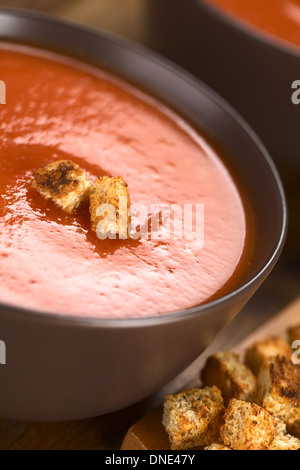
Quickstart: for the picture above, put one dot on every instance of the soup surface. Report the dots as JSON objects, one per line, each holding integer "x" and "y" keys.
{"x": 281, "y": 18}
{"x": 57, "y": 108}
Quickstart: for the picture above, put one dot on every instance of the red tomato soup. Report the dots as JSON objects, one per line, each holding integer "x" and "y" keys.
{"x": 57, "y": 108}
{"x": 281, "y": 18}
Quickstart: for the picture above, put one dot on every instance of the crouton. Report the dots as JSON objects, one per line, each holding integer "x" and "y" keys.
{"x": 217, "y": 447}
{"x": 247, "y": 426}
{"x": 279, "y": 391}
{"x": 294, "y": 428}
{"x": 110, "y": 221}
{"x": 294, "y": 334}
{"x": 193, "y": 418}
{"x": 233, "y": 378}
{"x": 64, "y": 183}
{"x": 285, "y": 442}
{"x": 261, "y": 351}
{"x": 280, "y": 426}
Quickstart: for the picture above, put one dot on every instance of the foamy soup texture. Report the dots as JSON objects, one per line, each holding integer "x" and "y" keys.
{"x": 52, "y": 261}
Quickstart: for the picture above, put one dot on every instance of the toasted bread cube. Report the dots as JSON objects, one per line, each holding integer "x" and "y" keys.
{"x": 234, "y": 379}
{"x": 280, "y": 426}
{"x": 279, "y": 391}
{"x": 294, "y": 334}
{"x": 64, "y": 183}
{"x": 285, "y": 442}
{"x": 193, "y": 418}
{"x": 247, "y": 426}
{"x": 217, "y": 447}
{"x": 110, "y": 221}
{"x": 261, "y": 351}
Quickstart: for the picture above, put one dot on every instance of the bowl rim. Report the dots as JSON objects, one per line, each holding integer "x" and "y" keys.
{"x": 169, "y": 317}
{"x": 249, "y": 30}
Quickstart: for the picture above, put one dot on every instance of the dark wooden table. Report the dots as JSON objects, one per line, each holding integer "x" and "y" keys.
{"x": 101, "y": 433}
{"x": 129, "y": 18}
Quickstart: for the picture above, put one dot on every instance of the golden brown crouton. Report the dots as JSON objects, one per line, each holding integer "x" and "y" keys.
{"x": 193, "y": 418}
{"x": 233, "y": 378}
{"x": 261, "y": 351}
{"x": 109, "y": 207}
{"x": 280, "y": 426}
{"x": 279, "y": 391}
{"x": 217, "y": 447}
{"x": 294, "y": 334}
{"x": 64, "y": 183}
{"x": 247, "y": 426}
{"x": 285, "y": 442}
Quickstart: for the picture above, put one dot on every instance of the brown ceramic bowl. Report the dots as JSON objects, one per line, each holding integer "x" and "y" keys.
{"x": 62, "y": 368}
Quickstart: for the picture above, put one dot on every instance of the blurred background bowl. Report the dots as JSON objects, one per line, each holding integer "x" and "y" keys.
{"x": 62, "y": 368}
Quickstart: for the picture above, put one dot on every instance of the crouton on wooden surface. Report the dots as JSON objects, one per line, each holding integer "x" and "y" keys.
{"x": 279, "y": 391}
{"x": 109, "y": 207}
{"x": 193, "y": 418}
{"x": 261, "y": 351}
{"x": 217, "y": 447}
{"x": 230, "y": 375}
{"x": 64, "y": 183}
{"x": 294, "y": 334}
{"x": 285, "y": 442}
{"x": 247, "y": 426}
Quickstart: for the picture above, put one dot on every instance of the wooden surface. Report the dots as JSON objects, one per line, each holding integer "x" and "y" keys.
{"x": 149, "y": 434}
{"x": 105, "y": 432}
{"x": 124, "y": 17}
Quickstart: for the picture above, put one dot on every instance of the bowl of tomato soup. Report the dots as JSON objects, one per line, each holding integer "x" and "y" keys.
{"x": 89, "y": 326}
